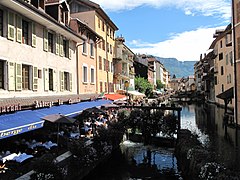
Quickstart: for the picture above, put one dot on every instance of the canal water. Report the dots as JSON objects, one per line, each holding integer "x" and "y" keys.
{"x": 134, "y": 161}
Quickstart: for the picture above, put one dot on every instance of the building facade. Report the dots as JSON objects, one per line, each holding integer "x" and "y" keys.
{"x": 38, "y": 50}
{"x": 93, "y": 15}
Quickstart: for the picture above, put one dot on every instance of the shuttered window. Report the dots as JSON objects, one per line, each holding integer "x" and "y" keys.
{"x": 11, "y": 29}
{"x": 25, "y": 32}
{"x": 18, "y": 76}
{"x": 35, "y": 78}
{"x": 61, "y": 78}
{"x": 25, "y": 77}
{"x": 19, "y": 29}
{"x": 11, "y": 76}
{"x": 50, "y": 72}
{"x": 70, "y": 82}
{"x": 85, "y": 74}
{"x": 61, "y": 46}
{"x": 57, "y": 44}
{"x": 45, "y": 39}
{"x": 34, "y": 37}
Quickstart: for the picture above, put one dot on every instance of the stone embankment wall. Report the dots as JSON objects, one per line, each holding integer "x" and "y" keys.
{"x": 196, "y": 162}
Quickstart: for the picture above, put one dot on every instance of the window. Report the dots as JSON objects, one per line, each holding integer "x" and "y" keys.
{"x": 1, "y": 74}
{"x": 215, "y": 80}
{"x": 84, "y": 50}
{"x": 25, "y": 77}
{"x": 66, "y": 81}
{"x": 85, "y": 74}
{"x": 222, "y": 88}
{"x": 103, "y": 44}
{"x": 220, "y": 44}
{"x": 222, "y": 72}
{"x": 104, "y": 64}
{"x": 92, "y": 75}
{"x": 103, "y": 28}
{"x": 50, "y": 78}
{"x": 101, "y": 86}
{"x": 99, "y": 23}
{"x": 65, "y": 48}
{"x": 230, "y": 78}
{"x": 220, "y": 56}
{"x": 226, "y": 59}
{"x": 100, "y": 63}
{"x": 1, "y": 22}
{"x": 230, "y": 58}
{"x": 62, "y": 15}
{"x": 107, "y": 47}
{"x": 50, "y": 42}
{"x": 92, "y": 49}
{"x": 110, "y": 48}
{"x": 105, "y": 86}
{"x": 111, "y": 67}
{"x": 25, "y": 32}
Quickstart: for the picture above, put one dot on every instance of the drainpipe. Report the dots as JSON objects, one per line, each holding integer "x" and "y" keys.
{"x": 235, "y": 70}
{"x": 77, "y": 58}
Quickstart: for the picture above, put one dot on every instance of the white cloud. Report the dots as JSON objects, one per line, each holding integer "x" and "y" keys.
{"x": 186, "y": 46}
{"x": 190, "y": 7}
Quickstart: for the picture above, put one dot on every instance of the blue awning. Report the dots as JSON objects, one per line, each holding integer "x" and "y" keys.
{"x": 23, "y": 121}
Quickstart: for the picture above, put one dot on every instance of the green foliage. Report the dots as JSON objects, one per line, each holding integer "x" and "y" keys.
{"x": 143, "y": 86}
{"x": 160, "y": 85}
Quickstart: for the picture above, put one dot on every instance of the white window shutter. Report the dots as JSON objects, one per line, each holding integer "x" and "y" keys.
{"x": 18, "y": 77}
{"x": 61, "y": 78}
{"x": 11, "y": 28}
{"x": 11, "y": 76}
{"x": 61, "y": 46}
{"x": 34, "y": 37}
{"x": 35, "y": 78}
{"x": 57, "y": 44}
{"x": 45, "y": 39}
{"x": 19, "y": 28}
{"x": 70, "y": 82}
{"x": 46, "y": 81}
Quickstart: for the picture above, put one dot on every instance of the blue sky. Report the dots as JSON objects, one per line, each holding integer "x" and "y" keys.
{"x": 182, "y": 29}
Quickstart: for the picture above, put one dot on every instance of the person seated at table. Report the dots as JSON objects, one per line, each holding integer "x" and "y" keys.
{"x": 101, "y": 120}
{"x": 87, "y": 128}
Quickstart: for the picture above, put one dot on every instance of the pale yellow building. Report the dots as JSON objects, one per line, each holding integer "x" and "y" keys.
{"x": 94, "y": 16}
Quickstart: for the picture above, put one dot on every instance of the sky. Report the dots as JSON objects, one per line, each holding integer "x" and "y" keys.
{"x": 181, "y": 29}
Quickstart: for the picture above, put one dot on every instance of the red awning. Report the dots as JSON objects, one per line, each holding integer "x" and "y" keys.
{"x": 115, "y": 97}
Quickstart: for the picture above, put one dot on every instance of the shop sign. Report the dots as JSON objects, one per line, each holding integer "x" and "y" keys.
{"x": 10, "y": 108}
{"x": 20, "y": 130}
{"x": 42, "y": 104}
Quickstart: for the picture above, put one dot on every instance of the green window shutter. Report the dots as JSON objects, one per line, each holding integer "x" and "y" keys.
{"x": 35, "y": 78}
{"x": 69, "y": 49}
{"x": 18, "y": 77}
{"x": 61, "y": 46}
{"x": 55, "y": 80}
{"x": 11, "y": 76}
{"x": 70, "y": 82}
{"x": 11, "y": 28}
{"x": 61, "y": 77}
{"x": 46, "y": 81}
{"x": 34, "y": 37}
{"x": 19, "y": 29}
{"x": 57, "y": 44}
{"x": 45, "y": 39}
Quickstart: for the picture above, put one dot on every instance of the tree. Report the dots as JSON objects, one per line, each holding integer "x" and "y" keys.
{"x": 143, "y": 86}
{"x": 160, "y": 85}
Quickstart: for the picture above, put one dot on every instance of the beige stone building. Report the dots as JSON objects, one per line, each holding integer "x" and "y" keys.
{"x": 223, "y": 64}
{"x": 123, "y": 65}
{"x": 38, "y": 50}
{"x": 94, "y": 16}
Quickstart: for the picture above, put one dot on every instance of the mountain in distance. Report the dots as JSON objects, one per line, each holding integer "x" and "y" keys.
{"x": 179, "y": 68}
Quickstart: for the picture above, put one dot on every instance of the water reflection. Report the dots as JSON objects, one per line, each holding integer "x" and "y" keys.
{"x": 136, "y": 161}
{"x": 207, "y": 122}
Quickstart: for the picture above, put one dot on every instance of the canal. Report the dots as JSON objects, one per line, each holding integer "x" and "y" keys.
{"x": 136, "y": 161}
